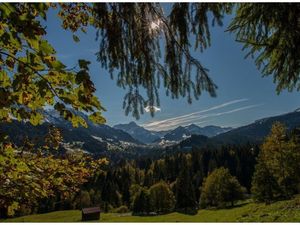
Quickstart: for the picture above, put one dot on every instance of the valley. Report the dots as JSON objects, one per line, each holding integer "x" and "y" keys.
{"x": 131, "y": 140}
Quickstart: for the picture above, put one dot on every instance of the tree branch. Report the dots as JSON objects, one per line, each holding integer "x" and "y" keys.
{"x": 49, "y": 85}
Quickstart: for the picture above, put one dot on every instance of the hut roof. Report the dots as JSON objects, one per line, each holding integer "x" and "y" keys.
{"x": 91, "y": 210}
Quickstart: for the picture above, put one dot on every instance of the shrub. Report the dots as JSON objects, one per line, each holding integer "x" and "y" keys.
{"x": 121, "y": 209}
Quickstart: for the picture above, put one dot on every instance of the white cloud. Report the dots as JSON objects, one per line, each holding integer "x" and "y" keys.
{"x": 196, "y": 117}
{"x": 152, "y": 108}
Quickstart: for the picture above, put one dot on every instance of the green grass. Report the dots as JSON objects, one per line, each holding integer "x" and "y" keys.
{"x": 282, "y": 211}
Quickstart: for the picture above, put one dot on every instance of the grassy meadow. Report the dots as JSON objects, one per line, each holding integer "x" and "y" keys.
{"x": 282, "y": 211}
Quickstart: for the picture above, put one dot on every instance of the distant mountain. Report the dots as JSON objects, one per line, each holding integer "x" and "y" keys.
{"x": 172, "y": 136}
{"x": 128, "y": 139}
{"x": 252, "y": 133}
{"x": 180, "y": 133}
{"x": 211, "y": 131}
{"x": 140, "y": 133}
{"x": 94, "y": 139}
{"x": 257, "y": 131}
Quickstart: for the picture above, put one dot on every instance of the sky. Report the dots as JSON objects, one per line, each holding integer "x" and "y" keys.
{"x": 243, "y": 95}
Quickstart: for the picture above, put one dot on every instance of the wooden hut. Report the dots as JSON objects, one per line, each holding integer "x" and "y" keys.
{"x": 92, "y": 213}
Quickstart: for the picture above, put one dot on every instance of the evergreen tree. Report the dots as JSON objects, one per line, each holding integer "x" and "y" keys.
{"x": 148, "y": 181}
{"x": 185, "y": 193}
{"x": 271, "y": 34}
{"x": 278, "y": 162}
{"x": 264, "y": 185}
{"x": 134, "y": 190}
{"x": 282, "y": 157}
{"x": 141, "y": 203}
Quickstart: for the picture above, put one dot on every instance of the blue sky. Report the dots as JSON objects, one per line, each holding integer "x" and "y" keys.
{"x": 243, "y": 95}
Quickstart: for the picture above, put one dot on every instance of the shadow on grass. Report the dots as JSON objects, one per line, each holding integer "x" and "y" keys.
{"x": 238, "y": 205}
{"x": 188, "y": 211}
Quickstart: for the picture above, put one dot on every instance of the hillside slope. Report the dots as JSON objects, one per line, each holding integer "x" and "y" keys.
{"x": 94, "y": 139}
{"x": 251, "y": 133}
{"x": 257, "y": 131}
{"x": 282, "y": 211}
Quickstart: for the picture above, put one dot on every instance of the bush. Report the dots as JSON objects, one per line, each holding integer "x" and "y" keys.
{"x": 106, "y": 207}
{"x": 24, "y": 210}
{"x": 121, "y": 209}
{"x": 85, "y": 200}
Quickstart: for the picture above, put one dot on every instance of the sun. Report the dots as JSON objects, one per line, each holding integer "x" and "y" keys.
{"x": 155, "y": 26}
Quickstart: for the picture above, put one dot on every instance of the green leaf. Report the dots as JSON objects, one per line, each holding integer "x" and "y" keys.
{"x": 33, "y": 43}
{"x": 57, "y": 65}
{"x": 96, "y": 117}
{"x": 7, "y": 9}
{"x": 76, "y": 38}
{"x": 36, "y": 119}
{"x": 83, "y": 64}
{"x": 11, "y": 209}
{"x": 4, "y": 79}
{"x": 81, "y": 76}
{"x": 46, "y": 48}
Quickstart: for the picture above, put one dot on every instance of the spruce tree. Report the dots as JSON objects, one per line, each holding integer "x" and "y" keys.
{"x": 185, "y": 193}
{"x": 278, "y": 166}
{"x": 264, "y": 186}
{"x": 281, "y": 155}
{"x": 141, "y": 203}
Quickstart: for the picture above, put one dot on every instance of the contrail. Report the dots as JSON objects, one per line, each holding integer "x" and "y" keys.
{"x": 196, "y": 113}
{"x": 164, "y": 125}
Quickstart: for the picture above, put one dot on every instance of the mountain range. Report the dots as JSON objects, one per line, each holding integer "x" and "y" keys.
{"x": 251, "y": 133}
{"x": 95, "y": 139}
{"x": 178, "y": 134}
{"x": 131, "y": 139}
{"x": 140, "y": 133}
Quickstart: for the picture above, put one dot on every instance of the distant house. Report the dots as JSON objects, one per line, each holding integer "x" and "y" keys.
{"x": 90, "y": 213}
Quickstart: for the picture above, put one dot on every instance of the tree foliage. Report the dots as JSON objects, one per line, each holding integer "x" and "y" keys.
{"x": 31, "y": 77}
{"x": 162, "y": 198}
{"x": 28, "y": 176}
{"x": 264, "y": 186}
{"x": 184, "y": 190}
{"x": 141, "y": 203}
{"x": 271, "y": 33}
{"x": 219, "y": 188}
{"x": 278, "y": 165}
{"x": 131, "y": 37}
